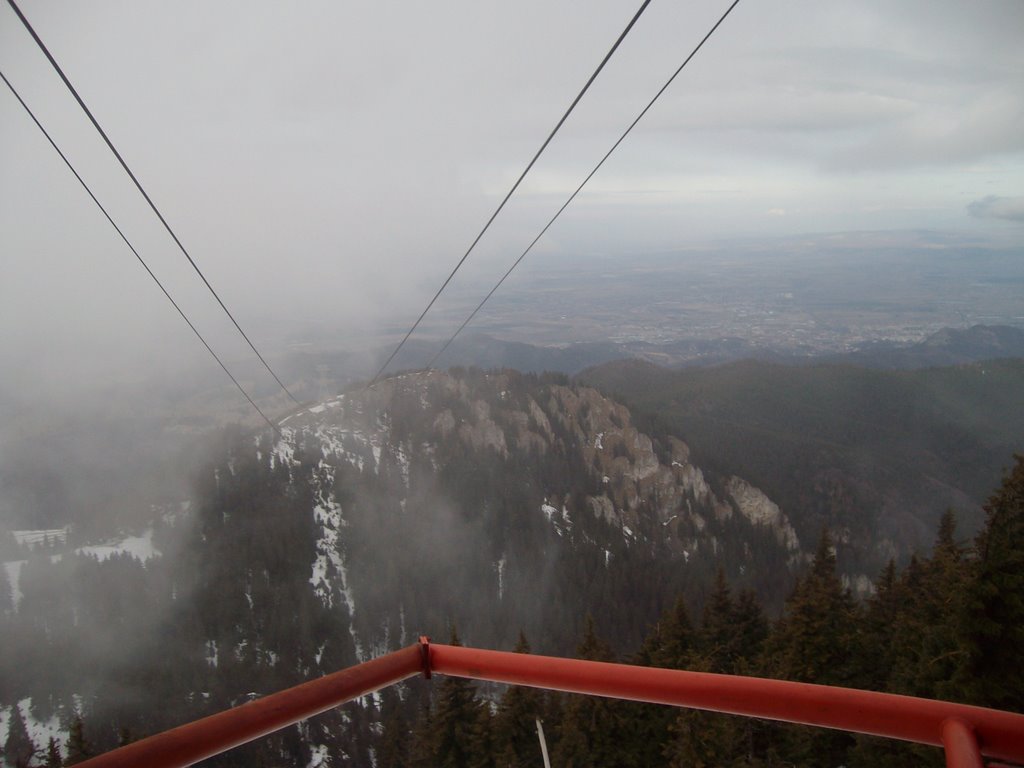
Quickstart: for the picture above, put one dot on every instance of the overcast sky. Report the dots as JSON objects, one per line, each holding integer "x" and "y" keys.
{"x": 332, "y": 161}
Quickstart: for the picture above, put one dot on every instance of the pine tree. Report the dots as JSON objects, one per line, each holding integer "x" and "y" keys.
{"x": 670, "y": 641}
{"x": 911, "y": 629}
{"x": 78, "y": 748}
{"x": 751, "y": 632}
{"x": 992, "y": 631}
{"x": 942, "y": 603}
{"x": 483, "y": 745}
{"x": 593, "y": 728}
{"x": 53, "y": 758}
{"x": 455, "y": 722}
{"x": 393, "y": 747}
{"x": 716, "y": 639}
{"x": 814, "y": 643}
{"x": 875, "y": 651}
{"x": 515, "y": 733}
{"x": 18, "y": 748}
{"x": 668, "y": 645}
{"x": 814, "y": 640}
{"x": 705, "y": 740}
{"x": 421, "y": 749}
{"x": 750, "y": 628}
{"x": 728, "y": 642}
{"x": 887, "y": 652}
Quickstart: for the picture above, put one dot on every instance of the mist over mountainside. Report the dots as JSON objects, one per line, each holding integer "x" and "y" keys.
{"x": 99, "y": 459}
{"x": 876, "y": 455}
{"x": 737, "y": 408}
{"x": 500, "y": 502}
{"x": 497, "y": 502}
{"x": 504, "y": 476}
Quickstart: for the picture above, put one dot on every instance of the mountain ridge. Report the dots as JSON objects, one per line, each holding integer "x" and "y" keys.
{"x": 873, "y": 452}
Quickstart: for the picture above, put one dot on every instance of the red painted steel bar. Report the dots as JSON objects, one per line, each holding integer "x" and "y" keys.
{"x": 961, "y": 745}
{"x": 965, "y": 732}
{"x": 218, "y": 733}
{"x": 995, "y": 733}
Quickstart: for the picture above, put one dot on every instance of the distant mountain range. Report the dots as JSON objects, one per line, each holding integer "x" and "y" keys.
{"x": 948, "y": 346}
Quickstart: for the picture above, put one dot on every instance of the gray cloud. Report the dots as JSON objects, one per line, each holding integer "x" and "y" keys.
{"x": 994, "y": 207}
{"x": 327, "y": 164}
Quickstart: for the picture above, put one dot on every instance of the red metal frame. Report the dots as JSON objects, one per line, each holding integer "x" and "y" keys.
{"x": 188, "y": 744}
{"x": 966, "y": 733}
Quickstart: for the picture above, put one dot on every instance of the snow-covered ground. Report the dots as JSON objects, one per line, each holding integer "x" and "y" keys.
{"x": 140, "y": 547}
{"x": 39, "y": 731}
{"x": 42, "y": 535}
{"x": 14, "y": 579}
{"x": 329, "y": 576}
{"x": 318, "y": 757}
{"x": 137, "y": 546}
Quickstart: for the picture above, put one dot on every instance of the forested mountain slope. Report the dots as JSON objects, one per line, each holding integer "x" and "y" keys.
{"x": 499, "y": 502}
{"x": 875, "y": 455}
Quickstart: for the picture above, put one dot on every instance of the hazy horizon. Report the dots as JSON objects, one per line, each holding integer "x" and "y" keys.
{"x": 327, "y": 165}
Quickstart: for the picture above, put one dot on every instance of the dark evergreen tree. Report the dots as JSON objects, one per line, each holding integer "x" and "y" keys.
{"x": 455, "y": 722}
{"x": 751, "y": 627}
{"x": 705, "y": 740}
{"x": 717, "y": 638}
{"x": 18, "y": 747}
{"x": 668, "y": 645}
{"x": 728, "y": 641}
{"x": 78, "y": 748}
{"x": 875, "y": 647}
{"x": 394, "y": 744}
{"x": 992, "y": 631}
{"x": 670, "y": 642}
{"x": 814, "y": 643}
{"x": 908, "y": 640}
{"x": 939, "y": 604}
{"x": 421, "y": 747}
{"x": 877, "y": 652}
{"x": 53, "y": 756}
{"x": 593, "y": 728}
{"x": 515, "y": 728}
{"x": 483, "y": 743}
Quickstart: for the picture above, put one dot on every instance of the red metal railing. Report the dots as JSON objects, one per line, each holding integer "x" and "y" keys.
{"x": 188, "y": 744}
{"x": 966, "y": 733}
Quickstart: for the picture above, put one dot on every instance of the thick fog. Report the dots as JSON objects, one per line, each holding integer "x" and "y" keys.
{"x": 327, "y": 164}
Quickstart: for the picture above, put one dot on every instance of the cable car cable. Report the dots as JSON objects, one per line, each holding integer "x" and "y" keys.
{"x": 120, "y": 159}
{"x": 137, "y": 256}
{"x": 515, "y": 186}
{"x": 580, "y": 187}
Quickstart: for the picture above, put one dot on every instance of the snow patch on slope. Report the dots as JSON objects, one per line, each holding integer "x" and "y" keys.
{"x": 41, "y": 536}
{"x": 329, "y": 574}
{"x": 40, "y": 731}
{"x": 140, "y": 547}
